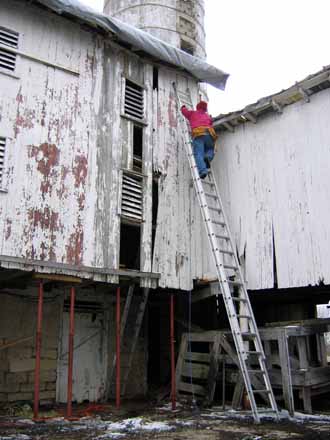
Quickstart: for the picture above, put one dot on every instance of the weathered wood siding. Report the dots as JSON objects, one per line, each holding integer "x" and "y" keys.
{"x": 67, "y": 142}
{"x": 274, "y": 178}
{"x": 180, "y": 235}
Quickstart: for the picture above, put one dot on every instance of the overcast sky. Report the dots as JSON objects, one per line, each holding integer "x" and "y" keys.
{"x": 265, "y": 45}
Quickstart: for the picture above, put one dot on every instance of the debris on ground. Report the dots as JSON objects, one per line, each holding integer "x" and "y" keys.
{"x": 143, "y": 423}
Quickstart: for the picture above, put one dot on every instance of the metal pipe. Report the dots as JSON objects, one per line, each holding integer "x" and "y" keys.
{"x": 118, "y": 349}
{"x": 38, "y": 353}
{"x": 70, "y": 365}
{"x": 173, "y": 385}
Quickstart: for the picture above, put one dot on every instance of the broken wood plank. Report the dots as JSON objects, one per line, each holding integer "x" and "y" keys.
{"x": 213, "y": 369}
{"x": 16, "y": 342}
{"x": 286, "y": 372}
{"x": 191, "y": 388}
{"x": 197, "y": 371}
{"x": 197, "y": 357}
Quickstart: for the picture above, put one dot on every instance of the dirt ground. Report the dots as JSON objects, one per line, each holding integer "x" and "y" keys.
{"x": 142, "y": 422}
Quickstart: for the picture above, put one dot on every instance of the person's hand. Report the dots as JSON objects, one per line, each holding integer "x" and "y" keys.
{"x": 183, "y": 106}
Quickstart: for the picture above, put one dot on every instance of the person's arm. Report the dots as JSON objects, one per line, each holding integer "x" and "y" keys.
{"x": 186, "y": 113}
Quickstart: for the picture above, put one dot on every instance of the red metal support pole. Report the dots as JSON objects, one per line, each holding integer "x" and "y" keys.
{"x": 173, "y": 385}
{"x": 118, "y": 349}
{"x": 70, "y": 365}
{"x": 38, "y": 353}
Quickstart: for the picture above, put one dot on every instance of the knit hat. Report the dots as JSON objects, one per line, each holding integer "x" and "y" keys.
{"x": 202, "y": 105}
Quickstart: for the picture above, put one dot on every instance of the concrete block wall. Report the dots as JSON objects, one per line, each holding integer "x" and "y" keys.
{"x": 18, "y": 320}
{"x": 18, "y": 317}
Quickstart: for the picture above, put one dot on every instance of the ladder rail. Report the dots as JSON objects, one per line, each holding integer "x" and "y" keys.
{"x": 246, "y": 297}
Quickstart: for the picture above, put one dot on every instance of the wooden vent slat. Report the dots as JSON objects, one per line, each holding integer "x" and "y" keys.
{"x": 2, "y": 157}
{"x": 131, "y": 201}
{"x": 134, "y": 100}
{"x": 7, "y": 58}
{"x": 8, "y": 37}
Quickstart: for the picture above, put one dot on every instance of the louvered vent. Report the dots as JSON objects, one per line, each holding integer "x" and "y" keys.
{"x": 8, "y": 58}
{"x": 134, "y": 100}
{"x": 131, "y": 201}
{"x": 2, "y": 157}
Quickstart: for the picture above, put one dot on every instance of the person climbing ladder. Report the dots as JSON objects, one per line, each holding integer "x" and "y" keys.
{"x": 203, "y": 135}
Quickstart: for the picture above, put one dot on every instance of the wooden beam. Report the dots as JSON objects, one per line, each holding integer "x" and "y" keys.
{"x": 213, "y": 368}
{"x": 88, "y": 271}
{"x": 304, "y": 94}
{"x": 55, "y": 277}
{"x": 276, "y": 106}
{"x": 250, "y": 117}
{"x": 229, "y": 126}
{"x": 16, "y": 342}
{"x": 286, "y": 371}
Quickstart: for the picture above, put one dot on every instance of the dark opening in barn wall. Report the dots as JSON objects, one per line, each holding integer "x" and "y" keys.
{"x": 155, "y": 201}
{"x": 130, "y": 245}
{"x": 155, "y": 74}
{"x": 137, "y": 148}
{"x": 274, "y": 260}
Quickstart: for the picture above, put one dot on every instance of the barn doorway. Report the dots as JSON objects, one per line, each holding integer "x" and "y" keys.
{"x": 89, "y": 361}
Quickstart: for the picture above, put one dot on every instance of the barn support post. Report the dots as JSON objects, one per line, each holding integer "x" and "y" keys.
{"x": 118, "y": 348}
{"x": 173, "y": 384}
{"x": 71, "y": 341}
{"x": 38, "y": 353}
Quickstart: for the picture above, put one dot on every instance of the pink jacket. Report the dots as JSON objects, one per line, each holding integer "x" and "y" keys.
{"x": 197, "y": 118}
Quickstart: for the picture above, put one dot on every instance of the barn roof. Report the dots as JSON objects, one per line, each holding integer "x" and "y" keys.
{"x": 139, "y": 40}
{"x": 301, "y": 90}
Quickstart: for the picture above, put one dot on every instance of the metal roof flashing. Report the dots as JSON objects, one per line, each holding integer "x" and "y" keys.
{"x": 275, "y": 103}
{"x": 138, "y": 39}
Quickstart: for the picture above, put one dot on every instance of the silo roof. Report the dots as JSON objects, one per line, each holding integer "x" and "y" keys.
{"x": 140, "y": 40}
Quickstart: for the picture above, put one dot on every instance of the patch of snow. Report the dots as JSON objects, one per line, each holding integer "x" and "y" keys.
{"x": 283, "y": 415}
{"x": 111, "y": 435}
{"x": 184, "y": 422}
{"x": 25, "y": 422}
{"x": 138, "y": 424}
{"x": 168, "y": 407}
{"x": 16, "y": 437}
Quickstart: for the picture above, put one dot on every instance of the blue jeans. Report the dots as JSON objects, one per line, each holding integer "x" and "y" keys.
{"x": 203, "y": 147}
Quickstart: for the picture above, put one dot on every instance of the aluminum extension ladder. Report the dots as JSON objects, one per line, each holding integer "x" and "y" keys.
{"x": 250, "y": 353}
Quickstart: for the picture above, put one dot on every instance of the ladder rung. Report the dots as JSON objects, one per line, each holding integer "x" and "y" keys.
{"x": 244, "y": 316}
{"x": 234, "y": 298}
{"x": 257, "y": 353}
{"x": 222, "y": 237}
{"x": 214, "y": 209}
{"x": 248, "y": 335}
{"x": 207, "y": 183}
{"x": 229, "y": 266}
{"x": 235, "y": 283}
{"x": 256, "y": 371}
{"x": 223, "y": 251}
{"x": 261, "y": 391}
{"x": 215, "y": 222}
{"x": 214, "y": 196}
